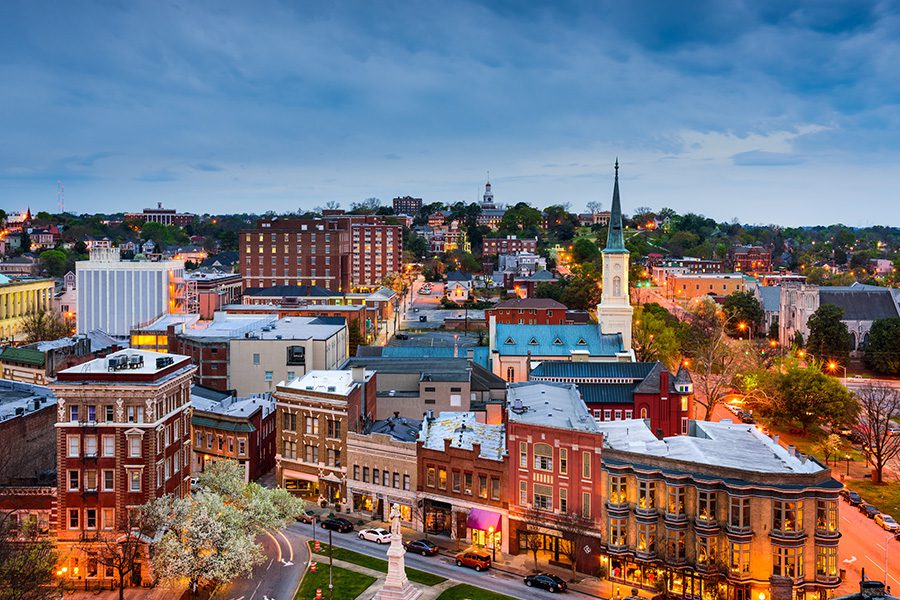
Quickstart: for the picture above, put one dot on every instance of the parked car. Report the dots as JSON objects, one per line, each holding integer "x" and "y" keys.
{"x": 546, "y": 581}
{"x": 852, "y": 497}
{"x": 306, "y": 516}
{"x": 886, "y": 522}
{"x": 746, "y": 417}
{"x": 423, "y": 547}
{"x": 195, "y": 481}
{"x": 401, "y": 336}
{"x": 474, "y": 559}
{"x": 868, "y": 510}
{"x": 339, "y": 524}
{"x": 378, "y": 535}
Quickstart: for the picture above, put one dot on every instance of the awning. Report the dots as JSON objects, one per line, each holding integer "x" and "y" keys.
{"x": 483, "y": 520}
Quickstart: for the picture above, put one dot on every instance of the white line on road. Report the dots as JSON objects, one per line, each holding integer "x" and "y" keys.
{"x": 880, "y": 566}
{"x": 289, "y": 545}
{"x": 256, "y": 590}
{"x": 277, "y": 545}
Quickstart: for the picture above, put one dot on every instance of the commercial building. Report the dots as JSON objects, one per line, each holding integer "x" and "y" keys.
{"x": 661, "y": 270}
{"x": 555, "y": 448}
{"x": 407, "y": 205}
{"x": 39, "y": 362}
{"x": 382, "y": 469}
{"x": 231, "y": 428}
{"x": 749, "y": 259}
{"x": 20, "y": 299}
{"x": 314, "y": 414}
{"x": 215, "y": 289}
{"x": 508, "y": 245}
{"x": 462, "y": 479}
{"x": 686, "y": 286}
{"x": 164, "y": 216}
{"x": 723, "y": 507}
{"x": 528, "y": 311}
{"x": 117, "y": 295}
{"x": 122, "y": 439}
{"x": 250, "y": 354}
{"x": 27, "y": 416}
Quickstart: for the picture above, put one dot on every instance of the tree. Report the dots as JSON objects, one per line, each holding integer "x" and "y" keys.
{"x": 743, "y": 307}
{"x": 43, "y": 325}
{"x": 653, "y": 338}
{"x": 521, "y": 219}
{"x": 829, "y": 339}
{"x": 595, "y": 207}
{"x": 209, "y": 537}
{"x": 829, "y": 446}
{"x": 879, "y": 405}
{"x": 575, "y": 528}
{"x": 25, "y": 241}
{"x": 882, "y": 352}
{"x": 27, "y": 561}
{"x": 549, "y": 289}
{"x": 580, "y": 292}
{"x": 366, "y": 207}
{"x": 584, "y": 250}
{"x": 533, "y": 533}
{"x": 120, "y": 552}
{"x": 54, "y": 262}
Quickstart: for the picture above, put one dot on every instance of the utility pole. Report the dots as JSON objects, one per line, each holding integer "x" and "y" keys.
{"x": 330, "y": 567}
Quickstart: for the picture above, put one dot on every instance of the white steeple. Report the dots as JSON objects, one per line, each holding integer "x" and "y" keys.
{"x": 614, "y": 311}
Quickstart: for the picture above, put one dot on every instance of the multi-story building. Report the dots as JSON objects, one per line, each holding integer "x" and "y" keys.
{"x": 723, "y": 507}
{"x": 407, "y": 205}
{"x": 122, "y": 439}
{"x": 39, "y": 362}
{"x": 314, "y": 414}
{"x": 555, "y": 449}
{"x": 462, "y": 479}
{"x": 598, "y": 218}
{"x": 508, "y": 245}
{"x": 528, "y": 311}
{"x": 382, "y": 469}
{"x": 686, "y": 286}
{"x": 19, "y": 266}
{"x": 164, "y": 216}
{"x": 491, "y": 213}
{"x": 660, "y": 270}
{"x": 436, "y": 219}
{"x": 232, "y": 428}
{"x": 215, "y": 289}
{"x": 117, "y": 295}
{"x": 337, "y": 253}
{"x": 20, "y": 299}
{"x": 27, "y": 417}
{"x": 750, "y": 259}
{"x": 613, "y": 391}
{"x": 250, "y": 354}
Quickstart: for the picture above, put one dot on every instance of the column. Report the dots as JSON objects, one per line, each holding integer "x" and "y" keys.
{"x": 454, "y": 518}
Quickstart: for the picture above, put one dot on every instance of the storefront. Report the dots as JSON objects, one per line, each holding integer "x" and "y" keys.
{"x": 680, "y": 583}
{"x": 485, "y": 528}
{"x": 302, "y": 484}
{"x": 368, "y": 503}
{"x": 550, "y": 545}
{"x": 438, "y": 517}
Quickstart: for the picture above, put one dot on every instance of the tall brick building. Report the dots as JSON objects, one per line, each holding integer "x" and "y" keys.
{"x": 338, "y": 252}
{"x": 122, "y": 439}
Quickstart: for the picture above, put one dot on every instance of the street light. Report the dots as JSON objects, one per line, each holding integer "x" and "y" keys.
{"x": 833, "y": 366}
{"x": 847, "y": 458}
{"x": 493, "y": 545}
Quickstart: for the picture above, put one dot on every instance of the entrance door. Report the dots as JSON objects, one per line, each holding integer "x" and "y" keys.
{"x": 136, "y": 575}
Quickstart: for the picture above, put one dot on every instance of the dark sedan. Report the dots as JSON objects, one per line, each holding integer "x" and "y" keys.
{"x": 339, "y": 524}
{"x": 423, "y": 547}
{"x": 546, "y": 581}
{"x": 868, "y": 510}
{"x": 852, "y": 497}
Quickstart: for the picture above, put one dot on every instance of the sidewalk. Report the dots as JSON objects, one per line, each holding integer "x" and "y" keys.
{"x": 155, "y": 593}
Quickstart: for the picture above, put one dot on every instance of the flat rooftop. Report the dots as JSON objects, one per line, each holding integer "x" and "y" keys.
{"x": 463, "y": 430}
{"x": 219, "y": 403}
{"x": 227, "y": 326}
{"x": 182, "y": 322}
{"x": 330, "y": 382}
{"x": 20, "y": 399}
{"x": 722, "y": 444}
{"x": 556, "y": 405}
{"x": 140, "y": 362}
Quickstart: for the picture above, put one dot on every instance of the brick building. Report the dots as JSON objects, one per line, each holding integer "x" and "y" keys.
{"x": 215, "y": 289}
{"x": 338, "y": 252}
{"x": 407, "y": 205}
{"x": 165, "y": 216}
{"x": 750, "y": 259}
{"x": 685, "y": 286}
{"x": 228, "y": 427}
{"x": 122, "y": 439}
{"x": 27, "y": 417}
{"x": 314, "y": 415}
{"x": 462, "y": 479}
{"x": 508, "y": 245}
{"x": 528, "y": 311}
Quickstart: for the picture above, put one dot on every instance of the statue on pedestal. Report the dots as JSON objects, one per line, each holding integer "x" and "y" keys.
{"x": 396, "y": 584}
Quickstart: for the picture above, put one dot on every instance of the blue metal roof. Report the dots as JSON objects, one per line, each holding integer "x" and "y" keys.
{"x": 554, "y": 340}
{"x": 592, "y": 370}
{"x": 606, "y": 393}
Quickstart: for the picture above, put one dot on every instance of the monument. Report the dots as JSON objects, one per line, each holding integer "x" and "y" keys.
{"x": 396, "y": 584}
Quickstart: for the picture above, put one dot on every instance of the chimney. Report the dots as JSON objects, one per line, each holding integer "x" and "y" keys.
{"x": 664, "y": 384}
{"x": 476, "y": 449}
{"x": 870, "y": 589}
{"x": 780, "y": 587}
{"x": 792, "y": 450}
{"x": 776, "y": 438}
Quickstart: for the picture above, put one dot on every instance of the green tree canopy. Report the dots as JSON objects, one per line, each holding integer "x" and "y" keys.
{"x": 654, "y": 338}
{"x": 882, "y": 353}
{"x": 829, "y": 339}
{"x": 584, "y": 250}
{"x": 743, "y": 307}
{"x": 54, "y": 262}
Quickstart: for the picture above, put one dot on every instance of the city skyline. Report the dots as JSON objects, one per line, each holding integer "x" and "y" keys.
{"x": 750, "y": 112}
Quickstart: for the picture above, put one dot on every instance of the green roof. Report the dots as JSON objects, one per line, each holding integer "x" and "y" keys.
{"x": 28, "y": 356}
{"x": 223, "y": 425}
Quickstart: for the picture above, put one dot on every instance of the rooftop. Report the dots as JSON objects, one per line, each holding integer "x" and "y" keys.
{"x": 721, "y": 444}
{"x": 221, "y": 404}
{"x": 181, "y": 322}
{"x": 535, "y": 303}
{"x": 139, "y": 362}
{"x": 556, "y": 405}
{"x": 463, "y": 431}
{"x": 554, "y": 340}
{"x": 19, "y": 399}
{"x": 227, "y": 326}
{"x": 400, "y": 428}
{"x": 770, "y": 297}
{"x": 340, "y": 383}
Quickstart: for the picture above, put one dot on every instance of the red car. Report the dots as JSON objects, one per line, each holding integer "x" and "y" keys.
{"x": 474, "y": 559}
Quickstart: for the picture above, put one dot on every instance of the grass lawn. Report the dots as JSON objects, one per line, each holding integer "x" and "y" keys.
{"x": 347, "y": 584}
{"x": 885, "y": 498}
{"x": 465, "y": 591}
{"x": 376, "y": 564}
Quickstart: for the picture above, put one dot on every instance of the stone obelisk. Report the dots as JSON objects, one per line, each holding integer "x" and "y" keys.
{"x": 396, "y": 584}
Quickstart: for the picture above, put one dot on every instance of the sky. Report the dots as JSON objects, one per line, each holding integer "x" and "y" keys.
{"x": 761, "y": 111}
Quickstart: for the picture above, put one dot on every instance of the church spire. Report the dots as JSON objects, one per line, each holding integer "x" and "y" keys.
{"x": 615, "y": 242}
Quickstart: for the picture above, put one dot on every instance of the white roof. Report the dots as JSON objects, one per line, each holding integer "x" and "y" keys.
{"x": 330, "y": 382}
{"x": 463, "y": 430}
{"x": 101, "y": 365}
{"x": 234, "y": 407}
{"x": 721, "y": 444}
{"x": 556, "y": 405}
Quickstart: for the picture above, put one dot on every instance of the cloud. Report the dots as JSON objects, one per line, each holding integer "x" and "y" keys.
{"x": 761, "y": 158}
{"x": 161, "y": 176}
{"x": 206, "y": 167}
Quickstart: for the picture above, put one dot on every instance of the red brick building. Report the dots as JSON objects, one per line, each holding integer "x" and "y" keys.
{"x": 528, "y": 311}
{"x": 462, "y": 479}
{"x": 122, "y": 439}
{"x": 750, "y": 259}
{"x": 554, "y": 462}
{"x": 337, "y": 252}
{"x": 508, "y": 245}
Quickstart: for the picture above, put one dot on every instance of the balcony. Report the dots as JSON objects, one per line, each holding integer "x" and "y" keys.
{"x": 622, "y": 506}
{"x": 706, "y": 524}
{"x": 647, "y": 553}
{"x": 738, "y": 532}
{"x": 827, "y": 534}
{"x": 643, "y": 510}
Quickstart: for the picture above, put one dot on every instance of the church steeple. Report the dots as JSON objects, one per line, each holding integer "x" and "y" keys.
{"x": 615, "y": 241}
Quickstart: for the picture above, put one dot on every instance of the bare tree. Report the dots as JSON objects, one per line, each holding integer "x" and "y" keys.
{"x": 535, "y": 522}
{"x": 595, "y": 207}
{"x": 120, "y": 552}
{"x": 27, "y": 561}
{"x": 880, "y": 405}
{"x": 575, "y": 528}
{"x": 44, "y": 325}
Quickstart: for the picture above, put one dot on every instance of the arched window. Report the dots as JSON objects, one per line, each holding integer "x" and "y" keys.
{"x": 644, "y": 412}
{"x": 543, "y": 457}
{"x": 510, "y": 374}
{"x": 617, "y": 286}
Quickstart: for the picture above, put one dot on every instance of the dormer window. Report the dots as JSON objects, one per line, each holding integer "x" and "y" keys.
{"x": 532, "y": 342}
{"x": 557, "y": 342}
{"x": 510, "y": 342}
{"x": 581, "y": 342}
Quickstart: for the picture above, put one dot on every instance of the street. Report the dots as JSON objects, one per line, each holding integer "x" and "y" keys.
{"x": 279, "y": 575}
{"x": 864, "y": 545}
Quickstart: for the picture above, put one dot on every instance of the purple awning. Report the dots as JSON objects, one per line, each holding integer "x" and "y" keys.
{"x": 483, "y": 520}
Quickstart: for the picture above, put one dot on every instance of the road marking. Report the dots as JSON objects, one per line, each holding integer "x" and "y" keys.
{"x": 256, "y": 590}
{"x": 270, "y": 564}
{"x": 850, "y": 560}
{"x": 880, "y": 566}
{"x": 277, "y": 545}
{"x": 289, "y": 545}
{"x": 287, "y": 563}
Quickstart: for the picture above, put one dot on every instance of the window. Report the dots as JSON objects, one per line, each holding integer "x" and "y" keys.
{"x": 482, "y": 486}
{"x": 311, "y": 425}
{"x": 430, "y": 476}
{"x": 585, "y": 465}
{"x": 495, "y": 488}
{"x": 618, "y": 489}
{"x": 395, "y": 483}
{"x": 543, "y": 497}
{"x": 607, "y": 414}
{"x": 675, "y": 500}
{"x": 311, "y": 453}
{"x": 646, "y": 494}
{"x": 90, "y": 518}
{"x": 787, "y": 562}
{"x": 108, "y": 413}
{"x": 134, "y": 446}
{"x": 290, "y": 450}
{"x": 73, "y": 413}
{"x": 707, "y": 505}
{"x": 523, "y": 493}
{"x": 74, "y": 480}
{"x": 618, "y": 532}
{"x": 644, "y": 412}
{"x": 629, "y": 414}
{"x": 826, "y": 562}
{"x": 90, "y": 480}
{"x": 108, "y": 516}
{"x": 563, "y": 500}
{"x": 739, "y": 558}
{"x": 255, "y": 358}
{"x": 684, "y": 425}
{"x": 109, "y": 445}
{"x": 510, "y": 374}
{"x": 92, "y": 413}
{"x": 356, "y": 472}
{"x": 209, "y": 439}
{"x": 365, "y": 474}
{"x": 268, "y": 376}
{"x": 826, "y": 516}
{"x": 109, "y": 480}
{"x": 706, "y": 550}
{"x": 73, "y": 444}
{"x": 618, "y": 415}
{"x": 739, "y": 513}
{"x": 74, "y": 518}
{"x": 242, "y": 446}
{"x": 563, "y": 461}
{"x": 467, "y": 483}
{"x": 586, "y": 505}
{"x": 134, "y": 481}
{"x": 787, "y": 515}
{"x": 646, "y": 540}
{"x": 543, "y": 457}
{"x": 675, "y": 545}
{"x": 406, "y": 482}
{"x": 523, "y": 455}
{"x": 334, "y": 428}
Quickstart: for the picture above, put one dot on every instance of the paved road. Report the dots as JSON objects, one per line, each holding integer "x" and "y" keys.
{"x": 279, "y": 576}
{"x": 863, "y": 546}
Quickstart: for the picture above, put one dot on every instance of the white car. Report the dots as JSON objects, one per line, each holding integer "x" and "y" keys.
{"x": 377, "y": 535}
{"x": 887, "y": 522}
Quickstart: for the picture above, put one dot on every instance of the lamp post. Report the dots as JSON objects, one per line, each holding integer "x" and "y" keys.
{"x": 833, "y": 366}
{"x": 847, "y": 458}
{"x": 330, "y": 567}
{"x": 493, "y": 545}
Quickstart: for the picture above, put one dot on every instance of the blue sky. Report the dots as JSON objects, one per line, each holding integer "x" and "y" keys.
{"x": 769, "y": 112}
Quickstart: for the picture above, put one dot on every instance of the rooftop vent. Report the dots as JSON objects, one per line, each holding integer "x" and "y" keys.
{"x": 164, "y": 361}
{"x": 114, "y": 363}
{"x": 517, "y": 406}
